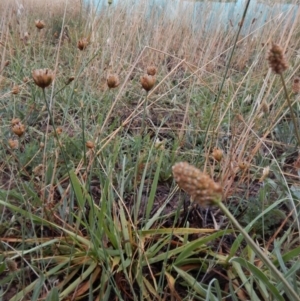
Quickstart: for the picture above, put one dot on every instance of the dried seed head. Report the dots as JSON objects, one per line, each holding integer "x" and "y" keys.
{"x": 159, "y": 144}
{"x": 276, "y": 59}
{"x": 6, "y": 63}
{"x": 243, "y": 165}
{"x": 18, "y": 129}
{"x": 151, "y": 70}
{"x": 265, "y": 107}
{"x": 147, "y": 82}
{"x": 11, "y": 265}
{"x": 112, "y": 81}
{"x": 197, "y": 184}
{"x": 25, "y": 37}
{"x": 15, "y": 121}
{"x": 265, "y": 173}
{"x": 43, "y": 77}
{"x": 70, "y": 79}
{"x": 217, "y": 154}
{"x": 89, "y": 144}
{"x": 25, "y": 80}
{"x": 39, "y": 24}
{"x": 59, "y": 130}
{"x": 15, "y": 90}
{"x": 38, "y": 170}
{"x": 296, "y": 85}
{"x": 82, "y": 44}
{"x": 13, "y": 144}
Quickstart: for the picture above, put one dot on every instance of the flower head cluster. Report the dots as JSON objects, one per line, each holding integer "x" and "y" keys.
{"x": 82, "y": 44}
{"x": 17, "y": 127}
{"x": 276, "y": 59}
{"x": 296, "y": 85}
{"x": 147, "y": 82}
{"x": 43, "y": 77}
{"x": 197, "y": 184}
{"x": 39, "y": 24}
{"x": 112, "y": 81}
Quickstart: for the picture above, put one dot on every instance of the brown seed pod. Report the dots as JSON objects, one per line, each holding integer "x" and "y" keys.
{"x": 112, "y": 81}
{"x": 276, "y": 59}
{"x": 89, "y": 144}
{"x": 151, "y": 70}
{"x": 82, "y": 43}
{"x": 15, "y": 90}
{"x": 43, "y": 77}
{"x": 203, "y": 190}
{"x": 217, "y": 154}
{"x": 147, "y": 82}
{"x": 39, "y": 24}
{"x": 13, "y": 143}
{"x": 296, "y": 85}
{"x": 18, "y": 129}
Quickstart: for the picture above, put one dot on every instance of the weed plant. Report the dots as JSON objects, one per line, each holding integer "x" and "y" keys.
{"x": 98, "y": 106}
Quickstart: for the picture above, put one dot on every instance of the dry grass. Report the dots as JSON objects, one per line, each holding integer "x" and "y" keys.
{"x": 120, "y": 145}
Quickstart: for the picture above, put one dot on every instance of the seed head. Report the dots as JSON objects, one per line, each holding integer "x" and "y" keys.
{"x": 265, "y": 174}
{"x": 43, "y": 77}
{"x": 26, "y": 79}
{"x": 15, "y": 90}
{"x": 11, "y": 265}
{"x": 13, "y": 143}
{"x": 112, "y": 81}
{"x": 243, "y": 165}
{"x": 197, "y": 184}
{"x": 38, "y": 170}
{"x": 59, "y": 130}
{"x": 70, "y": 79}
{"x": 82, "y": 44}
{"x": 15, "y": 121}
{"x": 217, "y": 154}
{"x": 39, "y": 24}
{"x": 276, "y": 59}
{"x": 18, "y": 129}
{"x": 147, "y": 82}
{"x": 151, "y": 70}
{"x": 296, "y": 85}
{"x": 90, "y": 144}
{"x": 26, "y": 37}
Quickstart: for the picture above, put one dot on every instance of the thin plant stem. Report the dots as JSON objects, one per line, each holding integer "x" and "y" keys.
{"x": 56, "y": 134}
{"x": 291, "y": 109}
{"x": 144, "y": 113}
{"x": 278, "y": 275}
{"x": 83, "y": 136}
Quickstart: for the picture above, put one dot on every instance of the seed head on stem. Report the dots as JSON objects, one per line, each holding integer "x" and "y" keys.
{"x": 203, "y": 190}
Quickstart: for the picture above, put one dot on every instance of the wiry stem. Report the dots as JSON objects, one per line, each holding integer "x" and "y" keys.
{"x": 144, "y": 113}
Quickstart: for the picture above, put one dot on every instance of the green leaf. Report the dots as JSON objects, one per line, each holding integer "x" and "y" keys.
{"x": 77, "y": 187}
{"x": 240, "y": 238}
{"x": 53, "y": 295}
{"x": 151, "y": 197}
{"x": 259, "y": 275}
{"x": 194, "y": 284}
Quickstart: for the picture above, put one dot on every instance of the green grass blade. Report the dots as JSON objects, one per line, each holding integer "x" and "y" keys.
{"x": 259, "y": 275}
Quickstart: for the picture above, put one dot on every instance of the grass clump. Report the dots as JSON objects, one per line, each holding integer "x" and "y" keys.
{"x": 97, "y": 109}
